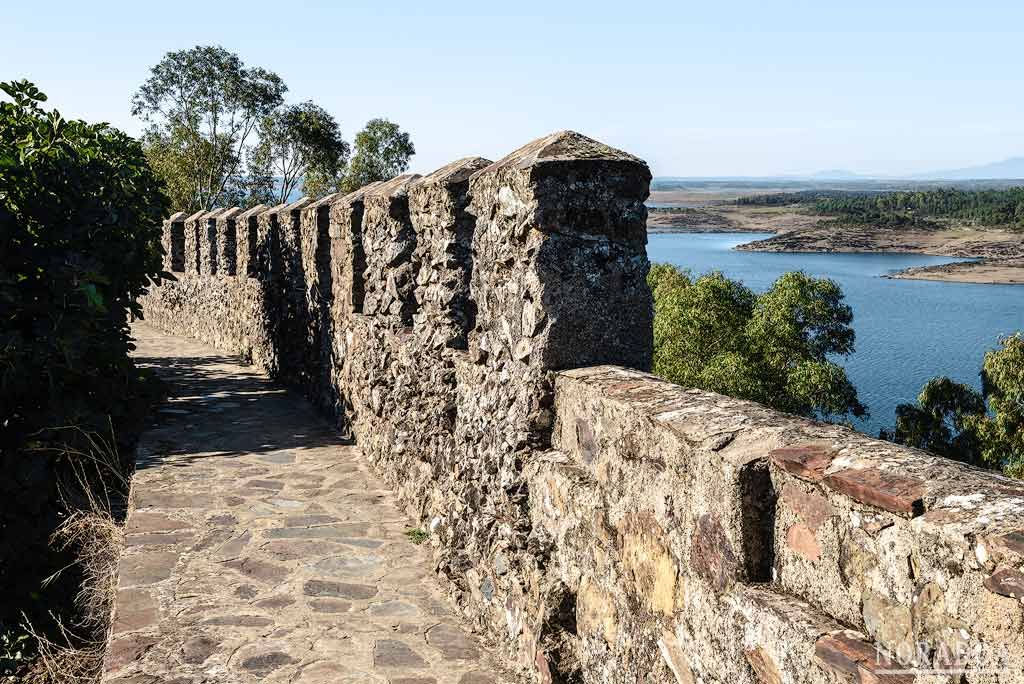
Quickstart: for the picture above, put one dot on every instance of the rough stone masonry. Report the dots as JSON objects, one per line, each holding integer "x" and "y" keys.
{"x": 483, "y": 333}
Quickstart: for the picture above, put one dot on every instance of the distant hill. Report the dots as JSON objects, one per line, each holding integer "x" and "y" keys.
{"x": 836, "y": 174}
{"x": 1008, "y": 168}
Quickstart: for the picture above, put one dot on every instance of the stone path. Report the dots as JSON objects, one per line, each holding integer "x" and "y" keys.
{"x": 261, "y": 548}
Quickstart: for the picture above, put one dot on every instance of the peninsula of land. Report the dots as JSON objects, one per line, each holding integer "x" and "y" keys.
{"x": 996, "y": 253}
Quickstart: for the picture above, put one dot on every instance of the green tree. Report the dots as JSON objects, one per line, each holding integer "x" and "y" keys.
{"x": 203, "y": 106}
{"x": 298, "y": 144}
{"x": 941, "y": 420}
{"x": 80, "y": 228}
{"x": 382, "y": 151}
{"x": 716, "y": 334}
{"x": 956, "y": 421}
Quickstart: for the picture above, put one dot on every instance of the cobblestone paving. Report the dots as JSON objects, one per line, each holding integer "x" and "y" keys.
{"x": 261, "y": 548}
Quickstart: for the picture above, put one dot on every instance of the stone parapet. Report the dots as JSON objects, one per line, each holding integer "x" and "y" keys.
{"x": 482, "y": 332}
{"x": 681, "y": 502}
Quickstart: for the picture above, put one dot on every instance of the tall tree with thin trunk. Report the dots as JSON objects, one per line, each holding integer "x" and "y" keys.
{"x": 203, "y": 107}
{"x": 299, "y": 145}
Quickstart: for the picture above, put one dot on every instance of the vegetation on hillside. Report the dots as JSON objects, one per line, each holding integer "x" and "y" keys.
{"x": 716, "y": 334}
{"x": 1004, "y": 207}
{"x": 220, "y": 134}
{"x": 982, "y": 428}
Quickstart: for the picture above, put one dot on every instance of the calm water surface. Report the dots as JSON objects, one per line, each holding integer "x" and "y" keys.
{"x": 907, "y": 330}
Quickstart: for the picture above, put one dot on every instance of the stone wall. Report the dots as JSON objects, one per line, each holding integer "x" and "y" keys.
{"x": 482, "y": 333}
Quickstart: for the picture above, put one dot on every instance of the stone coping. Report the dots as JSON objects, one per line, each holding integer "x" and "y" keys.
{"x": 894, "y": 478}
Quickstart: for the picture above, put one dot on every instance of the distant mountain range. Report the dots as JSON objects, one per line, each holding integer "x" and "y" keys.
{"x": 1008, "y": 169}
{"x": 1011, "y": 168}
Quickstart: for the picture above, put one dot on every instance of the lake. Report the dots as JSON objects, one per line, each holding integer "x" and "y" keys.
{"x": 907, "y": 330}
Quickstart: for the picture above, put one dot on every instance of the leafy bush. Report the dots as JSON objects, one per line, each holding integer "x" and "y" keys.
{"x": 716, "y": 334}
{"x": 80, "y": 225}
{"x": 16, "y": 647}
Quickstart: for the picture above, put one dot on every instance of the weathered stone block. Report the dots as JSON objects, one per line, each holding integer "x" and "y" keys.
{"x": 194, "y": 227}
{"x": 389, "y": 243}
{"x": 647, "y": 442}
{"x": 348, "y": 257}
{"x": 247, "y": 240}
{"x": 226, "y": 243}
{"x": 173, "y": 241}
{"x": 438, "y": 209}
{"x": 207, "y": 242}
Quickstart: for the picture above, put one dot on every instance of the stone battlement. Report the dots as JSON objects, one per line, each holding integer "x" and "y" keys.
{"x": 483, "y": 332}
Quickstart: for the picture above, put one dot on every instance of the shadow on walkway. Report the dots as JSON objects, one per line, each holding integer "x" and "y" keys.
{"x": 253, "y": 414}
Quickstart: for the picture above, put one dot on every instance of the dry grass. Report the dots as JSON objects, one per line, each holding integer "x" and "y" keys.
{"x": 95, "y": 491}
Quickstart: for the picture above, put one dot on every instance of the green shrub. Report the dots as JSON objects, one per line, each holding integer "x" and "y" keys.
{"x": 80, "y": 225}
{"x": 716, "y": 334}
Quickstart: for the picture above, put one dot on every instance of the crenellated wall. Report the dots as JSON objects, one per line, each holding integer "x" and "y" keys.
{"x": 482, "y": 333}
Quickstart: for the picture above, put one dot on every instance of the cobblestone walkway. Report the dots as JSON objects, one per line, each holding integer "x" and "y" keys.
{"x": 262, "y": 549}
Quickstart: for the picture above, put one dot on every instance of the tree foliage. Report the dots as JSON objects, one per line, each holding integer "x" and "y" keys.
{"x": 918, "y": 208}
{"x": 220, "y": 134}
{"x": 203, "y": 106}
{"x": 80, "y": 226}
{"x": 382, "y": 151}
{"x": 982, "y": 428}
{"x": 716, "y": 334}
{"x": 298, "y": 144}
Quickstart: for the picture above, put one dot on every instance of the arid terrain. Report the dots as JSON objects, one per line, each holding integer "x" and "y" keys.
{"x": 1005, "y": 271}
{"x": 999, "y": 253}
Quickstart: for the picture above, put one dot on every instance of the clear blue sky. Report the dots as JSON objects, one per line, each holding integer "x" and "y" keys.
{"x": 716, "y": 88}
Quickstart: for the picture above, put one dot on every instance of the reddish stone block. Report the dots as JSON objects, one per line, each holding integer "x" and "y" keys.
{"x": 801, "y": 539}
{"x": 812, "y": 508}
{"x": 885, "y": 490}
{"x": 711, "y": 554}
{"x": 1014, "y": 541}
{"x": 1006, "y": 581}
{"x": 807, "y": 462}
{"x": 858, "y": 660}
{"x": 764, "y": 666}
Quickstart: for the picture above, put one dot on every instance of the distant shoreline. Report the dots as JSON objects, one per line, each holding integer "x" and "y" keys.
{"x": 981, "y": 272}
{"x": 998, "y": 255}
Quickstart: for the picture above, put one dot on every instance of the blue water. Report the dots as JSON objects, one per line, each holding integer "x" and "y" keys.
{"x": 907, "y": 330}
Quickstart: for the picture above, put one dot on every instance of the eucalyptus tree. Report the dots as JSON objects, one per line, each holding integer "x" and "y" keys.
{"x": 299, "y": 145}
{"x": 204, "y": 106}
{"x": 382, "y": 151}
